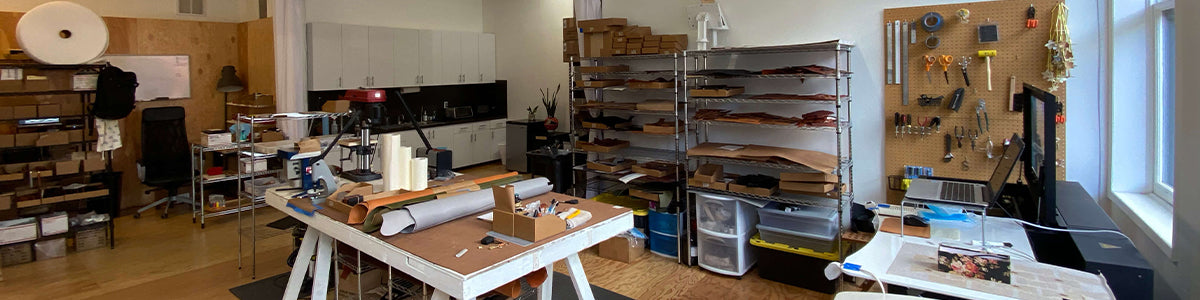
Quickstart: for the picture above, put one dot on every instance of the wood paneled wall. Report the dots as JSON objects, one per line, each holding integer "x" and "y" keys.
{"x": 210, "y": 46}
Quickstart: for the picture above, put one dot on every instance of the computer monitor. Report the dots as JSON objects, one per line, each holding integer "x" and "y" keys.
{"x": 1039, "y": 111}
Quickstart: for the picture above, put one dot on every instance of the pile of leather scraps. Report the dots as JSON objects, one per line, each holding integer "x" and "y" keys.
{"x": 809, "y": 69}
{"x": 611, "y": 121}
{"x": 822, "y": 118}
{"x": 794, "y": 97}
{"x": 724, "y": 72}
{"x": 722, "y": 115}
{"x": 710, "y": 114}
{"x": 664, "y": 123}
{"x": 609, "y": 105}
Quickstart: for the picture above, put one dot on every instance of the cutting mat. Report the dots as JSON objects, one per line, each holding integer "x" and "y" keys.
{"x": 1021, "y": 52}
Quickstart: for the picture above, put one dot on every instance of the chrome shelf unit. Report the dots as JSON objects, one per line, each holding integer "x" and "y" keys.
{"x": 839, "y": 83}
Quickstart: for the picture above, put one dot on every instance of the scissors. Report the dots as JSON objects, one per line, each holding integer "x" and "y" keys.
{"x": 929, "y": 60}
{"x": 946, "y": 61}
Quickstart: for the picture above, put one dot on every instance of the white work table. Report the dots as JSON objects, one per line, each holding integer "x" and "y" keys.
{"x": 322, "y": 230}
{"x": 879, "y": 255}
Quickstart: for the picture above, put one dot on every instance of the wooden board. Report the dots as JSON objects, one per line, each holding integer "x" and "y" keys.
{"x": 1020, "y": 52}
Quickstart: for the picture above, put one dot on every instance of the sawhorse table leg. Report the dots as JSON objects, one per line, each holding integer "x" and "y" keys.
{"x": 322, "y": 245}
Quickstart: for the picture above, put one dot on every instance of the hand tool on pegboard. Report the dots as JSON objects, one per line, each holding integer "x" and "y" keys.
{"x": 946, "y": 61}
{"x": 987, "y": 58}
{"x": 1031, "y": 17}
{"x": 949, "y": 156}
{"x": 981, "y": 111}
{"x": 974, "y": 135}
{"x": 904, "y": 63}
{"x": 956, "y": 102}
{"x": 966, "y": 60}
{"x": 897, "y": 121}
{"x": 888, "y": 52}
{"x": 929, "y": 60}
{"x": 959, "y": 133}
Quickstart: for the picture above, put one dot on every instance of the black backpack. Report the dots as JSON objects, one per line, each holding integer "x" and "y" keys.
{"x": 114, "y": 93}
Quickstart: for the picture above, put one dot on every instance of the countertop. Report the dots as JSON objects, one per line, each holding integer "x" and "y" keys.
{"x": 408, "y": 126}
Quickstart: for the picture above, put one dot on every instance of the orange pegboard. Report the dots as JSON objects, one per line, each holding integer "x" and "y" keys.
{"x": 1020, "y": 53}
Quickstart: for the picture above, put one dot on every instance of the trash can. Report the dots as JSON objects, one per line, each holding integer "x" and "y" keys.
{"x": 555, "y": 165}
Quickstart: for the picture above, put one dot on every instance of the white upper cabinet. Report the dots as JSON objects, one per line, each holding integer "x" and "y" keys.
{"x": 355, "y": 72}
{"x": 342, "y": 57}
{"x": 381, "y": 60}
{"x": 407, "y": 57}
{"x": 324, "y": 56}
{"x": 487, "y": 58}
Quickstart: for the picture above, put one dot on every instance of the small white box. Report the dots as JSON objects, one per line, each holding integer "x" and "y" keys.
{"x": 213, "y": 138}
{"x": 257, "y": 165}
{"x": 55, "y": 223}
{"x": 18, "y": 230}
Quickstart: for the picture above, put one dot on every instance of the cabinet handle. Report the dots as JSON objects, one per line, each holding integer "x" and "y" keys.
{"x": 339, "y": 82}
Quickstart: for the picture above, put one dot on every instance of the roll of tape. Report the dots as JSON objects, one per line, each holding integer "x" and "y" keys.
{"x": 933, "y": 41}
{"x": 62, "y": 33}
{"x": 932, "y": 22}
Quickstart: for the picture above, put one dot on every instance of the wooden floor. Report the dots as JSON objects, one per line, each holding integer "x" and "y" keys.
{"x": 175, "y": 259}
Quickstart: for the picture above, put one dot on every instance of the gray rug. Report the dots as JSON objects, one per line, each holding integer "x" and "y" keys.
{"x": 272, "y": 288}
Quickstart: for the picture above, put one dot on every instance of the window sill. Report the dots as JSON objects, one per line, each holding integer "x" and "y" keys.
{"x": 1152, "y": 214}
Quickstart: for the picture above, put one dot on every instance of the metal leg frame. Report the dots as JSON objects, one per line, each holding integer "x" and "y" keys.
{"x": 322, "y": 245}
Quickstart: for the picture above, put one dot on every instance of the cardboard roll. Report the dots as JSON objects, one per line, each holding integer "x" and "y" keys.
{"x": 62, "y": 33}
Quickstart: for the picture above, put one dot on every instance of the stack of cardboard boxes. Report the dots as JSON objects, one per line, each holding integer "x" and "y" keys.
{"x": 614, "y": 37}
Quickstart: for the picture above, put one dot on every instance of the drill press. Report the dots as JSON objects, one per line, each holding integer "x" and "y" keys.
{"x": 367, "y": 104}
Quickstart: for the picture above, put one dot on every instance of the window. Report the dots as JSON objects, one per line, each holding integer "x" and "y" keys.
{"x": 1163, "y": 15}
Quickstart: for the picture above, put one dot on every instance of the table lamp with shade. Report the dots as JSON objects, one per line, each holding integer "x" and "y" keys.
{"x": 229, "y": 83}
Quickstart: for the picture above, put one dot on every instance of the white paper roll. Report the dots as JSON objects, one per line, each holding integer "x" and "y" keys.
{"x": 62, "y": 33}
{"x": 390, "y": 167}
{"x": 404, "y": 170}
{"x": 420, "y": 173}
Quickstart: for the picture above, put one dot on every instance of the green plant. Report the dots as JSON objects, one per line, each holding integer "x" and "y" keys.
{"x": 550, "y": 101}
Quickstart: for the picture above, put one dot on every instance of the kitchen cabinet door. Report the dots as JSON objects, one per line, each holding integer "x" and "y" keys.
{"x": 451, "y": 57}
{"x": 407, "y": 57}
{"x": 482, "y": 145}
{"x": 355, "y": 72}
{"x": 462, "y": 143}
{"x": 470, "y": 57}
{"x": 324, "y": 56}
{"x": 381, "y": 57}
{"x": 430, "y": 56}
{"x": 487, "y": 58}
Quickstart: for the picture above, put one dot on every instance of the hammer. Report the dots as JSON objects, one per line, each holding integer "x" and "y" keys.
{"x": 987, "y": 57}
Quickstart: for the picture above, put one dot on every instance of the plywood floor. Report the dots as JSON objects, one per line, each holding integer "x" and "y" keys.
{"x": 175, "y": 259}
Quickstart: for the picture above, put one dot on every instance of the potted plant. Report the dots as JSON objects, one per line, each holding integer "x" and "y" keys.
{"x": 550, "y": 101}
{"x": 532, "y": 112}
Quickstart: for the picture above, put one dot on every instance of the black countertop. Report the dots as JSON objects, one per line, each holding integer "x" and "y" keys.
{"x": 408, "y": 126}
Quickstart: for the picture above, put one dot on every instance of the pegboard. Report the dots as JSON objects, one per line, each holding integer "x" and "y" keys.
{"x": 1021, "y": 52}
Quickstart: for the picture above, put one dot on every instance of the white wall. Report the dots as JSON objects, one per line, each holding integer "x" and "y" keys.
{"x": 216, "y": 10}
{"x": 529, "y": 48}
{"x": 455, "y": 15}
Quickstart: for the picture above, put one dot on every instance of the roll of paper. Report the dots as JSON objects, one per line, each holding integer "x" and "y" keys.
{"x": 403, "y": 158}
{"x": 420, "y": 173}
{"x": 417, "y": 217}
{"x": 62, "y": 33}
{"x": 532, "y": 188}
{"x": 388, "y": 144}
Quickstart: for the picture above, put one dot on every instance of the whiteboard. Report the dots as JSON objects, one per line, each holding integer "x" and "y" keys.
{"x": 160, "y": 77}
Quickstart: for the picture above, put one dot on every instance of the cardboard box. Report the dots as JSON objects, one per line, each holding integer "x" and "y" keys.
{"x": 41, "y": 169}
{"x": 604, "y": 69}
{"x": 53, "y": 138}
{"x": 8, "y": 140}
{"x": 620, "y": 45}
{"x": 54, "y": 223}
{"x": 571, "y": 46}
{"x": 709, "y": 173}
{"x": 633, "y": 51}
{"x": 49, "y": 110}
{"x": 622, "y": 249}
{"x": 66, "y": 167}
{"x": 24, "y": 112}
{"x": 94, "y": 162}
{"x": 29, "y": 203}
{"x": 12, "y": 172}
{"x": 600, "y": 25}
{"x": 570, "y": 34}
{"x": 6, "y": 112}
{"x": 651, "y": 44}
{"x": 594, "y": 44}
{"x": 650, "y": 172}
{"x": 570, "y": 57}
{"x": 598, "y": 83}
{"x": 657, "y": 105}
{"x": 523, "y": 227}
{"x": 619, "y": 52}
{"x": 653, "y": 50}
{"x": 654, "y": 38}
{"x": 737, "y": 188}
{"x": 633, "y": 40}
{"x": 6, "y": 201}
{"x": 271, "y": 136}
{"x": 72, "y": 108}
{"x": 25, "y": 139}
{"x": 336, "y": 106}
{"x": 18, "y": 230}
{"x": 808, "y": 177}
{"x": 75, "y": 135}
{"x": 646, "y": 194}
{"x": 569, "y": 23}
{"x": 597, "y": 148}
{"x": 671, "y": 45}
{"x": 619, "y": 40}
{"x": 605, "y": 166}
{"x": 806, "y": 187}
{"x": 220, "y": 137}
{"x": 85, "y": 195}
{"x": 651, "y": 84}
{"x": 669, "y": 51}
{"x": 636, "y": 31}
{"x": 633, "y": 46}
{"x": 682, "y": 39}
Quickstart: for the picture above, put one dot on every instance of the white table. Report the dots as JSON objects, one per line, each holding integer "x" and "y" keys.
{"x": 879, "y": 254}
{"x": 322, "y": 231}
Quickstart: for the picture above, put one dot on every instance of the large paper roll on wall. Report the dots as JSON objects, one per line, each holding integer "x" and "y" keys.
{"x": 420, "y": 173}
{"x": 62, "y": 33}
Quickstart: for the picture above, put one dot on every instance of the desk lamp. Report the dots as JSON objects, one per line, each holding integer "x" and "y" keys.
{"x": 229, "y": 83}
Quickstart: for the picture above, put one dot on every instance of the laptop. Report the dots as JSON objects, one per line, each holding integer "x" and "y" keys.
{"x": 955, "y": 192}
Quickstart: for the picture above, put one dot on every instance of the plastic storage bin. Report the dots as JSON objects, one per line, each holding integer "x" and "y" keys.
{"x": 816, "y": 242}
{"x": 664, "y": 245}
{"x": 723, "y": 214}
{"x": 725, "y": 255}
{"x": 799, "y": 267}
{"x": 812, "y": 220}
{"x": 664, "y": 223}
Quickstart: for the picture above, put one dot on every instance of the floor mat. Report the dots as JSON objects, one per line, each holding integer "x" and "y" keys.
{"x": 272, "y": 288}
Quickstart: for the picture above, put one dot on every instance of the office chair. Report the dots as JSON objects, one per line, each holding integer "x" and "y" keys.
{"x": 166, "y": 158}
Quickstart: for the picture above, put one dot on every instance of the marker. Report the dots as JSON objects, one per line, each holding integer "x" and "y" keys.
{"x": 460, "y": 253}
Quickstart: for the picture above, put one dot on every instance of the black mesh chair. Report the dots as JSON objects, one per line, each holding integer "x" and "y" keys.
{"x": 166, "y": 157}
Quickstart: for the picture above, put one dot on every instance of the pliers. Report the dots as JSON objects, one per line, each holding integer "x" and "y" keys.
{"x": 958, "y": 133}
{"x": 982, "y": 109}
